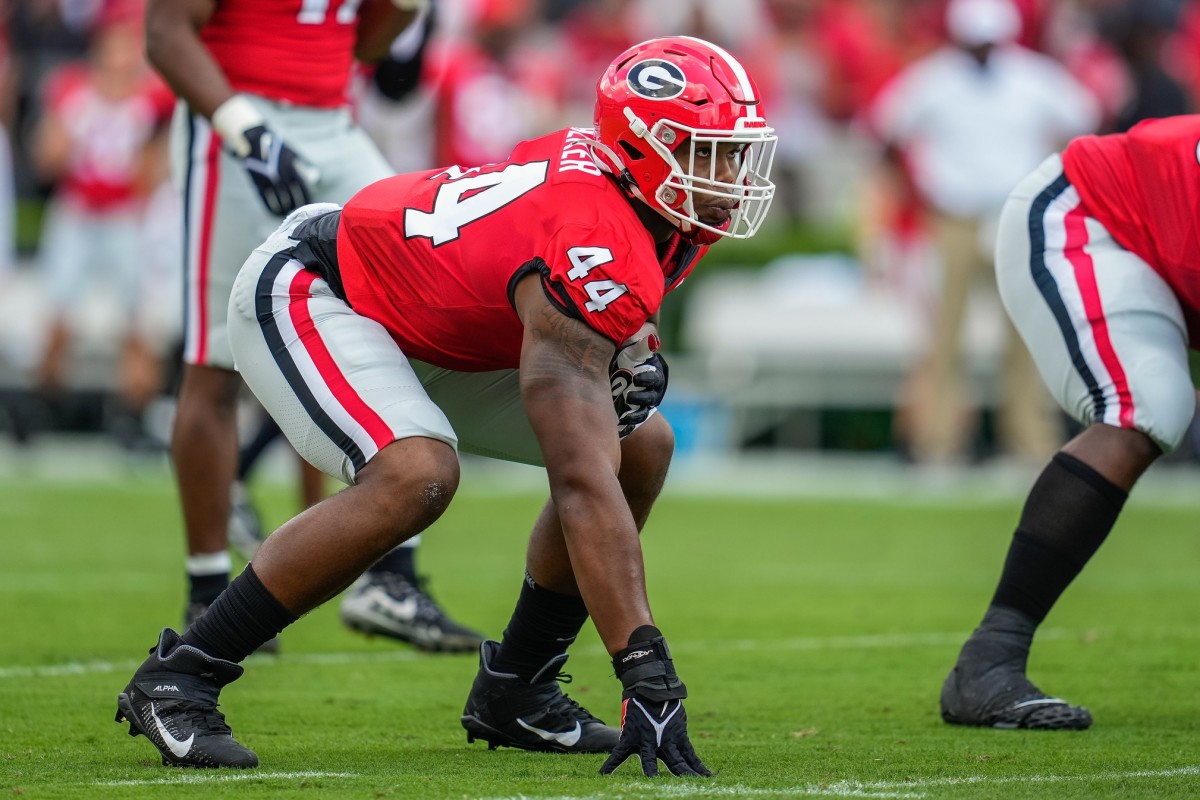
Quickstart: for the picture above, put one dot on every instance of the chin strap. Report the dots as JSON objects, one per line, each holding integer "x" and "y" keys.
{"x": 608, "y": 160}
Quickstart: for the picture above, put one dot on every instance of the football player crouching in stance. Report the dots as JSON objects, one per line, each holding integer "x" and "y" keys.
{"x": 506, "y": 310}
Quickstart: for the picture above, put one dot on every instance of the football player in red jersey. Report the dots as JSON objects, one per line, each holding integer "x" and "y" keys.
{"x": 263, "y": 128}
{"x": 99, "y": 136}
{"x": 1097, "y": 263}
{"x": 506, "y": 310}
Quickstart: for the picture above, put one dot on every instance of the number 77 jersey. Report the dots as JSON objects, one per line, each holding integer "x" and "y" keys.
{"x": 435, "y": 256}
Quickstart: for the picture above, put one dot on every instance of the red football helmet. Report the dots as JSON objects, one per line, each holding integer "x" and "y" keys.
{"x": 662, "y": 101}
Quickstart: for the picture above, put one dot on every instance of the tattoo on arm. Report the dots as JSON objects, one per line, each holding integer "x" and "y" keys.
{"x": 565, "y": 347}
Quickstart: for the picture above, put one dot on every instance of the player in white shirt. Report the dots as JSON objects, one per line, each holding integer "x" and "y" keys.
{"x": 968, "y": 122}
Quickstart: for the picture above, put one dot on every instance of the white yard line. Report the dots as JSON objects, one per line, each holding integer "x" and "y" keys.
{"x": 928, "y": 783}
{"x": 224, "y": 777}
{"x": 914, "y": 789}
{"x": 807, "y": 643}
{"x": 870, "y": 477}
{"x": 802, "y": 643}
{"x": 108, "y": 667}
{"x": 910, "y": 789}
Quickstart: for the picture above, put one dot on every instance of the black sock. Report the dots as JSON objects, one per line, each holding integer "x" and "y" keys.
{"x": 268, "y": 431}
{"x": 400, "y": 561}
{"x": 244, "y": 617}
{"x": 543, "y": 625}
{"x": 206, "y": 588}
{"x": 1002, "y": 639}
{"x": 1068, "y": 515}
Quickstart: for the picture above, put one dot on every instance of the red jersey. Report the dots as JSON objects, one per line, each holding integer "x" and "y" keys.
{"x": 298, "y": 51}
{"x": 1144, "y": 186}
{"x": 434, "y": 256}
{"x": 108, "y": 135}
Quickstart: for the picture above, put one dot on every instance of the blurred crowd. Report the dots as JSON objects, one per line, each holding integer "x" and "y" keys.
{"x": 852, "y": 86}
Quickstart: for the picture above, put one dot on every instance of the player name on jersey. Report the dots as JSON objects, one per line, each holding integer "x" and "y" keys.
{"x": 577, "y": 153}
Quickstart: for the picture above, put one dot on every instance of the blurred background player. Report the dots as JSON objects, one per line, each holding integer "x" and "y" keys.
{"x": 246, "y": 531}
{"x": 1097, "y": 266}
{"x": 394, "y": 99}
{"x": 392, "y": 107}
{"x": 8, "y": 250}
{"x": 965, "y": 124}
{"x": 99, "y": 141}
{"x": 264, "y": 127}
{"x": 490, "y": 91}
{"x": 1141, "y": 32}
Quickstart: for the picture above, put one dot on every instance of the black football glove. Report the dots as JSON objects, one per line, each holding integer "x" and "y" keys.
{"x": 653, "y": 722}
{"x": 282, "y": 177}
{"x": 638, "y": 380}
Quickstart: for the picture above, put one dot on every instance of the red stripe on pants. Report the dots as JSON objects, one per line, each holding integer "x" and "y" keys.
{"x": 331, "y": 374}
{"x": 1085, "y": 277}
{"x": 212, "y": 175}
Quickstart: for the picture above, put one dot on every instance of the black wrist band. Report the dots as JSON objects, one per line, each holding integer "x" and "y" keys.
{"x": 645, "y": 669}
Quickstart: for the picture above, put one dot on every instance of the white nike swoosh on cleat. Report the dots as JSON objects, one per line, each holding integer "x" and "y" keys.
{"x": 179, "y": 748}
{"x": 565, "y": 738}
{"x": 1040, "y": 701}
{"x": 405, "y": 609}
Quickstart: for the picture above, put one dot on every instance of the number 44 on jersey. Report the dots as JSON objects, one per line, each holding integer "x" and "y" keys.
{"x": 470, "y": 195}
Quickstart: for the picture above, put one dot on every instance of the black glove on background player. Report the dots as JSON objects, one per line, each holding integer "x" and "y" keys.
{"x": 398, "y": 74}
{"x": 282, "y": 177}
{"x": 653, "y": 722}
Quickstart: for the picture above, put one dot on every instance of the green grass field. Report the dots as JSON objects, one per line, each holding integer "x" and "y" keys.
{"x": 813, "y": 635}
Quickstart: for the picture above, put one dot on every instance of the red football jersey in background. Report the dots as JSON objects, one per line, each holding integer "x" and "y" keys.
{"x": 107, "y": 135}
{"x": 1144, "y": 186}
{"x": 434, "y": 256}
{"x": 485, "y": 106}
{"x": 299, "y": 51}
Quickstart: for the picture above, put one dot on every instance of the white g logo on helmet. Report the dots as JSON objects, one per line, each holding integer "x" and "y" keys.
{"x": 657, "y": 79}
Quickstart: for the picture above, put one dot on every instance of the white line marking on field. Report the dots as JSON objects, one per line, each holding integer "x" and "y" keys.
{"x": 736, "y": 790}
{"x": 802, "y": 643}
{"x": 913, "y": 789}
{"x": 72, "y": 668}
{"x": 808, "y": 643}
{"x": 108, "y": 667}
{"x": 225, "y": 777}
{"x": 864, "y": 642}
{"x": 1178, "y": 772}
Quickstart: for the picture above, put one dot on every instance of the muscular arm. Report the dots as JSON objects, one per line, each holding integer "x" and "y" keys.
{"x": 379, "y": 23}
{"x": 174, "y": 48}
{"x": 564, "y": 385}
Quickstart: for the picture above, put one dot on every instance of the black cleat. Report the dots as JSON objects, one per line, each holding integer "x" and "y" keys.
{"x": 387, "y": 604}
{"x": 195, "y": 611}
{"x": 1004, "y": 698}
{"x": 506, "y": 711}
{"x": 172, "y": 701}
{"x": 988, "y": 687}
